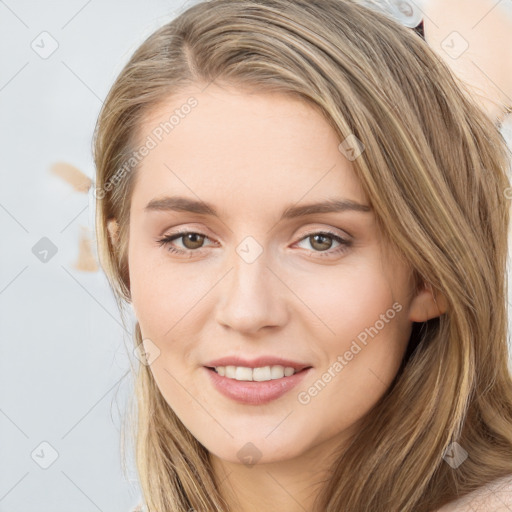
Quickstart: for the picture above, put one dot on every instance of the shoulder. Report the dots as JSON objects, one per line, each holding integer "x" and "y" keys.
{"x": 495, "y": 497}
{"x": 139, "y": 508}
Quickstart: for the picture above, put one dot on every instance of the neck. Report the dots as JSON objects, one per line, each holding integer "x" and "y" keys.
{"x": 291, "y": 485}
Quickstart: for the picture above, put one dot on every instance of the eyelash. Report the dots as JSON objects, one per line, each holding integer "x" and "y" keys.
{"x": 344, "y": 244}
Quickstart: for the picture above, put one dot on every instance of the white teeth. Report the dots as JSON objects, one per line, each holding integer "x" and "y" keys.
{"x": 265, "y": 373}
{"x": 288, "y": 371}
{"x": 242, "y": 373}
{"x": 255, "y": 374}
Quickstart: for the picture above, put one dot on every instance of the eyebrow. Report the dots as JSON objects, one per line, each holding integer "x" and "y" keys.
{"x": 184, "y": 204}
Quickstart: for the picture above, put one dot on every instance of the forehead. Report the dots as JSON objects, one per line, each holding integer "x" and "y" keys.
{"x": 242, "y": 149}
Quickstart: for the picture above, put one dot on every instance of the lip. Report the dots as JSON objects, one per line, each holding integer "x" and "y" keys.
{"x": 257, "y": 363}
{"x": 253, "y": 392}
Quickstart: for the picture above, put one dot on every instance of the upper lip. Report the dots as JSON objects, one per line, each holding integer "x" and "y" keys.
{"x": 257, "y": 363}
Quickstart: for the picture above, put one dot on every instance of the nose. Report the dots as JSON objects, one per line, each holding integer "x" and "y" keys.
{"x": 252, "y": 297}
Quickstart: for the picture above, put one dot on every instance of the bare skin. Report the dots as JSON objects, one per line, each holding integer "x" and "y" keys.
{"x": 253, "y": 156}
{"x": 474, "y": 37}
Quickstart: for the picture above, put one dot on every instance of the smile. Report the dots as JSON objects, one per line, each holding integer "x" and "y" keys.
{"x": 260, "y": 374}
{"x": 254, "y": 392}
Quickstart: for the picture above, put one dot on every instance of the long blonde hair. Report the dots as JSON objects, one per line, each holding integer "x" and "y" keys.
{"x": 435, "y": 170}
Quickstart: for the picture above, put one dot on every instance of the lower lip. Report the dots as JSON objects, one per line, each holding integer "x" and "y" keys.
{"x": 252, "y": 392}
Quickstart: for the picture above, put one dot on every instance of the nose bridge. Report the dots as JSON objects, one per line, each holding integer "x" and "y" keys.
{"x": 251, "y": 298}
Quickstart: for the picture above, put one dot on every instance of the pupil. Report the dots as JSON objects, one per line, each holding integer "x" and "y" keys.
{"x": 195, "y": 240}
{"x": 320, "y": 237}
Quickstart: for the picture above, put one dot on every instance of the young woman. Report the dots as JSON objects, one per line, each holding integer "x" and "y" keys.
{"x": 309, "y": 219}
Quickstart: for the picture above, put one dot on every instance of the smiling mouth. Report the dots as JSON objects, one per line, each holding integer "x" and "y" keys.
{"x": 272, "y": 384}
{"x": 260, "y": 374}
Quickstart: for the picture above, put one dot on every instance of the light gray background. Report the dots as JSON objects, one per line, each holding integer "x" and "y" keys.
{"x": 63, "y": 364}
{"x": 63, "y": 354}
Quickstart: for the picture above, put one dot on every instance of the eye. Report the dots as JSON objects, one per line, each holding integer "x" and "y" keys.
{"x": 322, "y": 241}
{"x": 191, "y": 241}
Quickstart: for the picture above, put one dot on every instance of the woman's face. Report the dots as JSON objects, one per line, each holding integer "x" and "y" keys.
{"x": 263, "y": 279}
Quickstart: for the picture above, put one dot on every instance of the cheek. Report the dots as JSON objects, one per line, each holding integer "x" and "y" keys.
{"x": 169, "y": 300}
{"x": 163, "y": 302}
{"x": 360, "y": 367}
{"x": 347, "y": 299}
{"x": 154, "y": 291}
{"x": 364, "y": 332}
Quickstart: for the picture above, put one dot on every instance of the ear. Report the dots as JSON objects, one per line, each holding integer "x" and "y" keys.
{"x": 427, "y": 304}
{"x": 113, "y": 230}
